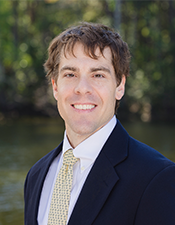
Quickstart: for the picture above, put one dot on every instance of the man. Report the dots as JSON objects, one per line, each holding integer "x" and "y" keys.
{"x": 116, "y": 179}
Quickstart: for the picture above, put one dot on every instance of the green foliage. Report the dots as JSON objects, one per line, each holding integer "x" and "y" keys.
{"x": 27, "y": 27}
{"x": 150, "y": 35}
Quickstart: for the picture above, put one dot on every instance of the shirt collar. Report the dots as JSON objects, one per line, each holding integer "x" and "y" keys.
{"x": 88, "y": 150}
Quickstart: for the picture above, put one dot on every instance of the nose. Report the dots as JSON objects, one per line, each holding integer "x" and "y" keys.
{"x": 83, "y": 86}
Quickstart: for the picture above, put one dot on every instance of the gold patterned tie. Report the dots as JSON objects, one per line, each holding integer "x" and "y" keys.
{"x": 61, "y": 194}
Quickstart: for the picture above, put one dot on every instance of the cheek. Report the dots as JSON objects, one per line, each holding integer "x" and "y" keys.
{"x": 108, "y": 99}
{"x": 109, "y": 93}
{"x": 65, "y": 87}
{"x": 63, "y": 95}
{"x": 61, "y": 108}
{"x": 61, "y": 91}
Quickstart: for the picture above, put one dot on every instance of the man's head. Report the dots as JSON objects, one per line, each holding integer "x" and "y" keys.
{"x": 91, "y": 36}
{"x": 87, "y": 65}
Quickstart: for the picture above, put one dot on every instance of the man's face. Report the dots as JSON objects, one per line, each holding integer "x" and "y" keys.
{"x": 86, "y": 91}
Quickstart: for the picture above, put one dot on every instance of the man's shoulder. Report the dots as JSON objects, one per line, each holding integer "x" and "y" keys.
{"x": 143, "y": 151}
{"x": 132, "y": 152}
{"x": 146, "y": 158}
{"x": 139, "y": 157}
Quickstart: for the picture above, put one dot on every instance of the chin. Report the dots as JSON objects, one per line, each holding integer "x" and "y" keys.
{"x": 84, "y": 130}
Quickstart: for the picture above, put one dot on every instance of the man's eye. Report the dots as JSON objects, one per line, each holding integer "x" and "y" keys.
{"x": 98, "y": 75}
{"x": 69, "y": 75}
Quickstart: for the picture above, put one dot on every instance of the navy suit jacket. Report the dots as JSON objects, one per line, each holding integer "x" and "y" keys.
{"x": 129, "y": 184}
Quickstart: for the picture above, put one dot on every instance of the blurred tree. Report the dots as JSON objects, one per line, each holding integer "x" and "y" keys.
{"x": 146, "y": 26}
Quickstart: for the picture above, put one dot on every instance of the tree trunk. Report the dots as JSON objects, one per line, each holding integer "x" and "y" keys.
{"x": 15, "y": 26}
{"x": 117, "y": 15}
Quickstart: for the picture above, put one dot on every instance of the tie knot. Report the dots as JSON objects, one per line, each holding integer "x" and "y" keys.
{"x": 68, "y": 158}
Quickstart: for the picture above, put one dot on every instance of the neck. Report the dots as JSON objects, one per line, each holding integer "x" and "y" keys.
{"x": 77, "y": 139}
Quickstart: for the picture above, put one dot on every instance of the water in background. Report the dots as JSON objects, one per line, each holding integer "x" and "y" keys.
{"x": 23, "y": 142}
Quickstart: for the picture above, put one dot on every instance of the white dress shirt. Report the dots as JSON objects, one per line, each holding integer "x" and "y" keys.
{"x": 87, "y": 151}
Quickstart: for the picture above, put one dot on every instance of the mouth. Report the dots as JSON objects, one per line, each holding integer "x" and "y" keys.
{"x": 84, "y": 106}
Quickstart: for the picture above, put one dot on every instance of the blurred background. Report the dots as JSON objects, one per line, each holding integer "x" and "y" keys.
{"x": 29, "y": 122}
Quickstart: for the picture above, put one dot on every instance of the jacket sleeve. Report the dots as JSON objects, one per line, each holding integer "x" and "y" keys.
{"x": 31, "y": 199}
{"x": 157, "y": 204}
{"x": 25, "y": 198}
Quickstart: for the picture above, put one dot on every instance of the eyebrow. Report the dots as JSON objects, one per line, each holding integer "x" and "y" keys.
{"x": 68, "y": 68}
{"x": 101, "y": 68}
{"x": 95, "y": 69}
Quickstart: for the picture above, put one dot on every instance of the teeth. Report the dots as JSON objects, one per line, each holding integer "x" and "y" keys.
{"x": 84, "y": 107}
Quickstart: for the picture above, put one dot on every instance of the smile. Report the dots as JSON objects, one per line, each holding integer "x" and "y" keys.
{"x": 84, "y": 107}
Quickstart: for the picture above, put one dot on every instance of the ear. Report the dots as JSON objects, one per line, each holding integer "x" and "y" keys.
{"x": 54, "y": 88}
{"x": 120, "y": 89}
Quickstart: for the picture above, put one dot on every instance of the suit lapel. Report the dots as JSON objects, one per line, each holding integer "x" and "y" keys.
{"x": 96, "y": 189}
{"x": 101, "y": 178}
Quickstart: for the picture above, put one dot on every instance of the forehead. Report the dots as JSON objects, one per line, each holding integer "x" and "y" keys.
{"x": 79, "y": 51}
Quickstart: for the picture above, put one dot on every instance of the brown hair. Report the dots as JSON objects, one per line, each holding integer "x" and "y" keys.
{"x": 92, "y": 36}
